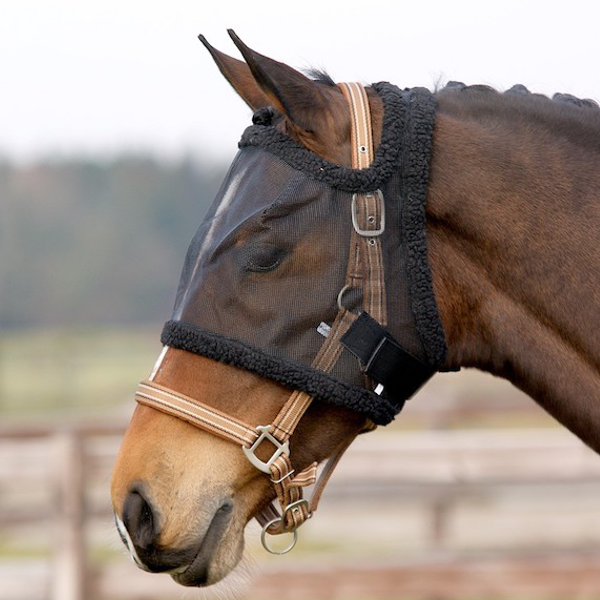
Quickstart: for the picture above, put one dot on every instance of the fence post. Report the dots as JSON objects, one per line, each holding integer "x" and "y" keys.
{"x": 441, "y": 508}
{"x": 69, "y": 561}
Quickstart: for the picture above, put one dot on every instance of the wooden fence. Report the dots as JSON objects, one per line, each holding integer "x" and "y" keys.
{"x": 439, "y": 469}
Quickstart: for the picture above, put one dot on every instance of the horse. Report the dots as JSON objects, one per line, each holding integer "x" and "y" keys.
{"x": 511, "y": 223}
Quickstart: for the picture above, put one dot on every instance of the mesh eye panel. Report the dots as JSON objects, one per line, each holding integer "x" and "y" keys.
{"x": 267, "y": 264}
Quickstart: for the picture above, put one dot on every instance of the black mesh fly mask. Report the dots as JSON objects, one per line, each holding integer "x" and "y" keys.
{"x": 264, "y": 272}
{"x": 315, "y": 276}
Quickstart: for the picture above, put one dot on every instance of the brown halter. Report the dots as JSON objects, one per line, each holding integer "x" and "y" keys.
{"x": 365, "y": 270}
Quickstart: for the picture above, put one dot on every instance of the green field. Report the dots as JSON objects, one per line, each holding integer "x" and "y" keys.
{"x": 82, "y": 372}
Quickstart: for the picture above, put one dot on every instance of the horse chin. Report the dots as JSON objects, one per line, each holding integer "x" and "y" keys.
{"x": 219, "y": 552}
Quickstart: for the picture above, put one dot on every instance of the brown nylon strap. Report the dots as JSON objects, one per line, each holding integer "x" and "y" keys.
{"x": 285, "y": 422}
{"x": 372, "y": 260}
{"x": 365, "y": 251}
{"x": 361, "y": 137}
{"x": 368, "y": 208}
{"x": 284, "y": 425}
{"x": 195, "y": 412}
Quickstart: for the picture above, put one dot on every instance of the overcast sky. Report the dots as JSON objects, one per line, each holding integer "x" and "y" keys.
{"x": 104, "y": 76}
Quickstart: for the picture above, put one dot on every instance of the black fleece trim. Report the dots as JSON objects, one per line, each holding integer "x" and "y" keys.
{"x": 386, "y": 161}
{"x": 288, "y": 373}
{"x": 408, "y": 124}
{"x": 416, "y": 153}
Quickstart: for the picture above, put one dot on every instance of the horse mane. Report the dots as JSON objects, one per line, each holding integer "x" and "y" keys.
{"x": 563, "y": 115}
{"x": 519, "y": 90}
{"x": 320, "y": 76}
{"x": 566, "y": 114}
{"x": 516, "y": 91}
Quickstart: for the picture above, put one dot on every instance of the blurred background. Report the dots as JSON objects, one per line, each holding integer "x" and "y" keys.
{"x": 115, "y": 131}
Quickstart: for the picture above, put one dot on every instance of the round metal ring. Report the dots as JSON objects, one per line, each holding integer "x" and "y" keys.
{"x": 263, "y": 539}
{"x": 341, "y": 296}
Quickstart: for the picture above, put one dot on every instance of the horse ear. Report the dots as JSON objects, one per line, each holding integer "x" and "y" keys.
{"x": 293, "y": 94}
{"x": 239, "y": 76}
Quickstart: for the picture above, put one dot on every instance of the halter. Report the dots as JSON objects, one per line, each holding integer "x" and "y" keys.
{"x": 363, "y": 335}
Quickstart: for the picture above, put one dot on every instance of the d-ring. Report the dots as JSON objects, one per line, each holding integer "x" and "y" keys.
{"x": 341, "y": 296}
{"x": 263, "y": 539}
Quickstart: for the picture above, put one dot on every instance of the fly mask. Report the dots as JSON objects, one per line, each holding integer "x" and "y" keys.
{"x": 316, "y": 276}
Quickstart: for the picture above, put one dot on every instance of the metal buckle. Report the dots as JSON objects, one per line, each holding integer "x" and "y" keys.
{"x": 280, "y": 449}
{"x": 368, "y": 232}
{"x": 294, "y": 506}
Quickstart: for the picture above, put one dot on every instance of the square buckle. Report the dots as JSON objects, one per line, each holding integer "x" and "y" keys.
{"x": 379, "y": 228}
{"x": 280, "y": 449}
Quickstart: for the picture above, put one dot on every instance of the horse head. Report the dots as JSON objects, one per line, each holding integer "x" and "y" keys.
{"x": 313, "y": 278}
{"x": 184, "y": 496}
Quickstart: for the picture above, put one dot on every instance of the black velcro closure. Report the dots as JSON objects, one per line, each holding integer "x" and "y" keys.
{"x": 384, "y": 360}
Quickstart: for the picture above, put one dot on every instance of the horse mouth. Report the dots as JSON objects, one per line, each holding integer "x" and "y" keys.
{"x": 196, "y": 574}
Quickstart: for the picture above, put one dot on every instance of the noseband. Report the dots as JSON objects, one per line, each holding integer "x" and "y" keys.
{"x": 364, "y": 335}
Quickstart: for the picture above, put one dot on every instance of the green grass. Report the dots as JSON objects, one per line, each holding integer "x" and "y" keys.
{"x": 81, "y": 371}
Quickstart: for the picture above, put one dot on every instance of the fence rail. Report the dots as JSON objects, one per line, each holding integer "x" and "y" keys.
{"x": 440, "y": 468}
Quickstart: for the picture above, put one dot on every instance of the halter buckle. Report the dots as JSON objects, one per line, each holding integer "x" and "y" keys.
{"x": 265, "y": 466}
{"x": 355, "y": 222}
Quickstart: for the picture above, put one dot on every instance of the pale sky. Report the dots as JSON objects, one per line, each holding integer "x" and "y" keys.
{"x": 104, "y": 76}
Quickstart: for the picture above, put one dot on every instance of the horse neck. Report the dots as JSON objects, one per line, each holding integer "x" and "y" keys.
{"x": 513, "y": 229}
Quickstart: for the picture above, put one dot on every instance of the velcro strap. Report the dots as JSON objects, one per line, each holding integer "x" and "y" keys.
{"x": 384, "y": 360}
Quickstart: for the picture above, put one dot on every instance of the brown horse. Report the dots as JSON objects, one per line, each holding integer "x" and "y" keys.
{"x": 512, "y": 223}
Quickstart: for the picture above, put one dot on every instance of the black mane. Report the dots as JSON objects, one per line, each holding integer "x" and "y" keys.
{"x": 320, "y": 76}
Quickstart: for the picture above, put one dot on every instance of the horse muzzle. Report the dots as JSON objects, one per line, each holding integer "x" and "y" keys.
{"x": 189, "y": 566}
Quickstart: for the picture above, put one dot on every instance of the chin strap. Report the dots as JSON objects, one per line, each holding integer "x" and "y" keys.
{"x": 365, "y": 271}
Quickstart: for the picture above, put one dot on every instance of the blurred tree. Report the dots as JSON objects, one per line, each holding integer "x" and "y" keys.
{"x": 86, "y": 242}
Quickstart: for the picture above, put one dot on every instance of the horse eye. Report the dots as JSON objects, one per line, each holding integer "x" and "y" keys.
{"x": 264, "y": 258}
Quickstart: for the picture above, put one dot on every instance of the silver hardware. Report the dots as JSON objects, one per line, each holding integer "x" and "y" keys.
{"x": 284, "y": 477}
{"x": 280, "y": 449}
{"x": 341, "y": 296}
{"x": 263, "y": 538}
{"x": 379, "y": 389}
{"x": 295, "y": 507}
{"x": 368, "y": 232}
{"x": 362, "y": 149}
{"x": 324, "y": 329}
{"x": 371, "y": 241}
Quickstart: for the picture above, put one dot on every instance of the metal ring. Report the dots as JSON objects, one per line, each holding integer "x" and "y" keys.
{"x": 263, "y": 538}
{"x": 341, "y": 295}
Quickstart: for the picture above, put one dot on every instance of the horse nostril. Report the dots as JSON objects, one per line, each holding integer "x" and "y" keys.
{"x": 139, "y": 520}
